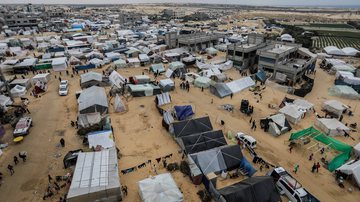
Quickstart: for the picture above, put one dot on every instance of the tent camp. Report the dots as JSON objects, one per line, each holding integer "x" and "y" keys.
{"x": 160, "y": 188}
{"x": 18, "y": 91}
{"x": 45, "y": 78}
{"x": 157, "y": 68}
{"x": 141, "y": 90}
{"x": 92, "y": 100}
{"x": 202, "y": 82}
{"x": 220, "y": 89}
{"x": 104, "y": 139}
{"x": 201, "y": 141}
{"x": 120, "y": 63}
{"x": 59, "y": 64}
{"x": 293, "y": 113}
{"x": 166, "y": 85}
{"x": 253, "y": 189}
{"x": 90, "y": 79}
{"x": 192, "y": 126}
{"x": 218, "y": 159}
{"x": 352, "y": 170}
{"x": 96, "y": 177}
{"x": 331, "y": 127}
{"x": 335, "y": 107}
{"x": 119, "y": 104}
{"x": 275, "y": 124}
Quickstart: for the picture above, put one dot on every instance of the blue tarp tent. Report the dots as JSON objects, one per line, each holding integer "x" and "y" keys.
{"x": 245, "y": 165}
{"x": 183, "y": 112}
{"x": 83, "y": 67}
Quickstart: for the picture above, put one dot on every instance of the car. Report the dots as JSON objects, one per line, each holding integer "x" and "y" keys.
{"x": 64, "y": 83}
{"x": 63, "y": 90}
{"x": 22, "y": 127}
{"x": 246, "y": 139}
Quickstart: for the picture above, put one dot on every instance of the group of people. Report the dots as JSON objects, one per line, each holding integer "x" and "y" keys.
{"x": 10, "y": 167}
{"x": 253, "y": 124}
{"x": 53, "y": 187}
{"x": 185, "y": 86}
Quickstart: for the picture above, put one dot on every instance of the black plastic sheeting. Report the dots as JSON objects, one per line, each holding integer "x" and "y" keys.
{"x": 305, "y": 88}
{"x": 202, "y": 141}
{"x": 188, "y": 127}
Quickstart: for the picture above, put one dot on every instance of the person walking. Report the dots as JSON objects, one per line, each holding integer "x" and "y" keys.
{"x": 313, "y": 168}
{"x": 50, "y": 178}
{"x": 11, "y": 169}
{"x": 164, "y": 163}
{"x": 296, "y": 168}
{"x": 317, "y": 167}
{"x": 311, "y": 156}
{"x": 22, "y": 156}
{"x": 62, "y": 142}
{"x": 231, "y": 95}
{"x": 16, "y": 161}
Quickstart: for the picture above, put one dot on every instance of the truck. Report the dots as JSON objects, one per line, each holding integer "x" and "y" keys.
{"x": 22, "y": 127}
{"x": 289, "y": 186}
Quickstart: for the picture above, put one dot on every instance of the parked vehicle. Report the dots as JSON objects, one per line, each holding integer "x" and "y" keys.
{"x": 63, "y": 90}
{"x": 246, "y": 139}
{"x": 64, "y": 83}
{"x": 22, "y": 127}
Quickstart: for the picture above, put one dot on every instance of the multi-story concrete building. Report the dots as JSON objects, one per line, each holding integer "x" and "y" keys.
{"x": 17, "y": 19}
{"x": 243, "y": 54}
{"x": 288, "y": 59}
{"x": 194, "y": 42}
{"x": 178, "y": 13}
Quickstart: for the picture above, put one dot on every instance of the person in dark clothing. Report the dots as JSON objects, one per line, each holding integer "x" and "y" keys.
{"x": 62, "y": 142}
{"x": 22, "y": 156}
{"x": 59, "y": 78}
{"x": 313, "y": 168}
{"x": 231, "y": 95}
{"x": 202, "y": 89}
{"x": 164, "y": 163}
{"x": 11, "y": 169}
{"x": 16, "y": 161}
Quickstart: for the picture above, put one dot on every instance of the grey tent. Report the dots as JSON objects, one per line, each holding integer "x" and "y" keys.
{"x": 192, "y": 126}
{"x": 141, "y": 90}
{"x": 253, "y": 189}
{"x": 220, "y": 89}
{"x": 90, "y": 79}
{"x": 96, "y": 177}
{"x": 202, "y": 141}
{"x": 92, "y": 100}
{"x": 166, "y": 85}
{"x": 163, "y": 99}
{"x": 118, "y": 104}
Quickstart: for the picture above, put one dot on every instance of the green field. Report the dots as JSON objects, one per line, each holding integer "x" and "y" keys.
{"x": 340, "y": 42}
{"x": 340, "y": 26}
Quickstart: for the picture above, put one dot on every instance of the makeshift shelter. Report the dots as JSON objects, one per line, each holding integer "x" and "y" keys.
{"x": 201, "y": 141}
{"x": 45, "y": 78}
{"x": 141, "y": 79}
{"x": 116, "y": 79}
{"x": 335, "y": 107}
{"x": 113, "y": 56}
{"x": 166, "y": 85}
{"x": 144, "y": 58}
{"x": 90, "y": 79}
{"x": 120, "y": 63}
{"x": 157, "y": 68}
{"x": 352, "y": 170}
{"x": 202, "y": 82}
{"x": 211, "y": 51}
{"x": 104, "y": 139}
{"x": 220, "y": 89}
{"x": 74, "y": 61}
{"x": 261, "y": 76}
{"x": 177, "y": 68}
{"x": 275, "y": 124}
{"x": 40, "y": 87}
{"x": 218, "y": 159}
{"x": 331, "y": 127}
{"x": 59, "y": 64}
{"x": 163, "y": 99}
{"x": 5, "y": 101}
{"x": 92, "y": 100}
{"x": 141, "y": 90}
{"x": 253, "y": 189}
{"x": 240, "y": 84}
{"x": 160, "y": 188}
{"x": 96, "y": 177}
{"x": 133, "y": 62}
{"x": 344, "y": 91}
{"x": 304, "y": 105}
{"x": 21, "y": 82}
{"x": 293, "y": 113}
{"x": 89, "y": 119}
{"x": 192, "y": 126}
{"x": 71, "y": 157}
{"x": 183, "y": 112}
{"x": 350, "y": 51}
{"x": 329, "y": 142}
{"x": 333, "y": 50}
{"x": 97, "y": 62}
{"x": 18, "y": 91}
{"x": 119, "y": 104}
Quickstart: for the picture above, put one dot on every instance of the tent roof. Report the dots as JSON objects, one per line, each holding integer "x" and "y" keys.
{"x": 160, "y": 188}
{"x": 333, "y": 124}
{"x": 103, "y": 138}
{"x": 192, "y": 126}
{"x": 92, "y": 96}
{"x": 90, "y": 76}
{"x": 240, "y": 84}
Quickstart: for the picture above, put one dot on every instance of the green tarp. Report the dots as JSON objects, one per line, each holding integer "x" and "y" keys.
{"x": 333, "y": 143}
{"x": 43, "y": 66}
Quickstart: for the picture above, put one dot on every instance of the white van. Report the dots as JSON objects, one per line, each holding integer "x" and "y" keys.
{"x": 246, "y": 139}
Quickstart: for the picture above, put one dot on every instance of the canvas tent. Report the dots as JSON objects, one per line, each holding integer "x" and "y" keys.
{"x": 192, "y": 126}
{"x": 163, "y": 99}
{"x": 220, "y": 89}
{"x": 157, "y": 68}
{"x": 45, "y": 78}
{"x": 160, "y": 188}
{"x": 92, "y": 100}
{"x": 141, "y": 90}
{"x": 178, "y": 68}
{"x": 116, "y": 79}
{"x": 166, "y": 85}
{"x": 211, "y": 51}
{"x": 275, "y": 124}
{"x": 240, "y": 84}
{"x": 352, "y": 169}
{"x": 183, "y": 112}
{"x": 18, "y": 91}
{"x": 118, "y": 104}
{"x": 201, "y": 141}
{"x": 202, "y": 82}
{"x": 343, "y": 91}
{"x": 104, "y": 139}
{"x": 4, "y": 101}
{"x": 335, "y": 107}
{"x": 90, "y": 79}
{"x": 293, "y": 113}
{"x": 59, "y": 64}
{"x": 253, "y": 189}
{"x": 89, "y": 119}
{"x": 21, "y": 82}
{"x": 120, "y": 63}
{"x": 331, "y": 127}
{"x": 96, "y": 178}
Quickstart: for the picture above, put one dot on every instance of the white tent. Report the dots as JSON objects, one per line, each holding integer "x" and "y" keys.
{"x": 97, "y": 62}
{"x": 59, "y": 64}
{"x": 202, "y": 82}
{"x": 116, "y": 79}
{"x": 160, "y": 188}
{"x": 350, "y": 51}
{"x": 240, "y": 84}
{"x": 166, "y": 85}
{"x": 118, "y": 104}
{"x": 357, "y": 150}
{"x": 331, "y": 127}
{"x": 333, "y": 50}
{"x": 120, "y": 63}
{"x": 335, "y": 107}
{"x": 144, "y": 58}
{"x": 4, "y": 101}
{"x": 45, "y": 78}
{"x": 343, "y": 91}
{"x": 352, "y": 168}
{"x": 163, "y": 99}
{"x": 104, "y": 139}
{"x": 96, "y": 177}
{"x": 304, "y": 104}
{"x": 293, "y": 113}
{"x": 18, "y": 91}
{"x": 133, "y": 62}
